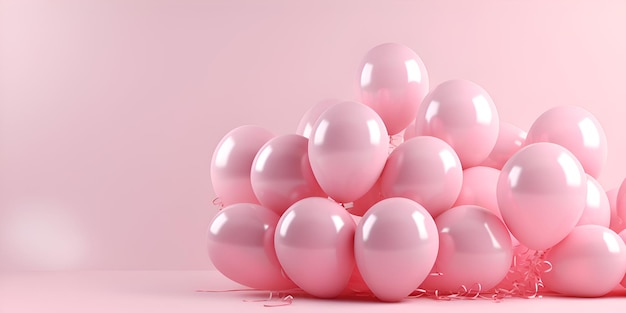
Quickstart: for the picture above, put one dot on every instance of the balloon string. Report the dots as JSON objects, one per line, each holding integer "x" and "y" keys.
{"x": 283, "y": 301}
{"x": 218, "y": 203}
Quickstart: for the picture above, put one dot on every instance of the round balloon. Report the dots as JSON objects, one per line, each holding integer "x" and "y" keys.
{"x": 597, "y": 209}
{"x": 542, "y": 192}
{"x": 395, "y": 247}
{"x": 475, "y": 250}
{"x": 462, "y": 114}
{"x": 617, "y": 224}
{"x": 510, "y": 140}
{"x": 281, "y": 173}
{"x": 589, "y": 262}
{"x": 479, "y": 188}
{"x": 393, "y": 82}
{"x": 232, "y": 162}
{"x": 577, "y": 130}
{"x": 314, "y": 242}
{"x": 424, "y": 169}
{"x": 241, "y": 246}
{"x": 305, "y": 127}
{"x": 348, "y": 150}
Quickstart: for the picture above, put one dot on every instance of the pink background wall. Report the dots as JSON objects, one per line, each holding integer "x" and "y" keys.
{"x": 110, "y": 110}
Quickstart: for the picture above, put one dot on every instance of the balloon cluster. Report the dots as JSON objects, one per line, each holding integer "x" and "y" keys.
{"x": 413, "y": 191}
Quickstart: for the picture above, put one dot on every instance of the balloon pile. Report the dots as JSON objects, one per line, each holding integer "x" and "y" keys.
{"x": 413, "y": 191}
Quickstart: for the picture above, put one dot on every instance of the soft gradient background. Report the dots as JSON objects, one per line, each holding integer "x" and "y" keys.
{"x": 111, "y": 109}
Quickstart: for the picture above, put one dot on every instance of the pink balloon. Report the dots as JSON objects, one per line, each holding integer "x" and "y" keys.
{"x": 510, "y": 140}
{"x": 542, "y": 192}
{"x": 622, "y": 235}
{"x": 395, "y": 247}
{"x": 363, "y": 204}
{"x": 348, "y": 150}
{"x": 305, "y": 127}
{"x": 241, "y": 246}
{"x": 577, "y": 130}
{"x": 281, "y": 173}
{"x": 314, "y": 243}
{"x": 617, "y": 224}
{"x": 597, "y": 209}
{"x": 620, "y": 203}
{"x": 409, "y": 132}
{"x": 424, "y": 169}
{"x": 589, "y": 262}
{"x": 393, "y": 82}
{"x": 479, "y": 188}
{"x": 232, "y": 162}
{"x": 462, "y": 114}
{"x": 475, "y": 250}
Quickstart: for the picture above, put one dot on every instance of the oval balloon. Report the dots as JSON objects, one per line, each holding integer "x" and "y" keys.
{"x": 424, "y": 169}
{"x": 589, "y": 262}
{"x": 281, "y": 173}
{"x": 395, "y": 247}
{"x": 577, "y": 130}
{"x": 232, "y": 162}
{"x": 241, "y": 246}
{"x": 542, "y": 192}
{"x": 597, "y": 209}
{"x": 393, "y": 82}
{"x": 479, "y": 188}
{"x": 305, "y": 127}
{"x": 348, "y": 150}
{"x": 510, "y": 140}
{"x": 475, "y": 250}
{"x": 462, "y": 114}
{"x": 314, "y": 243}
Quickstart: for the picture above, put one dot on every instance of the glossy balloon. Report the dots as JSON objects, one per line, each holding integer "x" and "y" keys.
{"x": 479, "y": 188}
{"x": 232, "y": 162}
{"x": 510, "y": 140}
{"x": 475, "y": 250}
{"x": 393, "y": 82}
{"x": 395, "y": 247}
{"x": 617, "y": 224}
{"x": 462, "y": 114}
{"x": 424, "y": 169}
{"x": 348, "y": 150}
{"x": 577, "y": 130}
{"x": 305, "y": 127}
{"x": 241, "y": 246}
{"x": 597, "y": 209}
{"x": 542, "y": 192}
{"x": 589, "y": 262}
{"x": 409, "y": 132}
{"x": 281, "y": 173}
{"x": 314, "y": 243}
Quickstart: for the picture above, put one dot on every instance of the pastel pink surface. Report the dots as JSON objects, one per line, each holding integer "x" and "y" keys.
{"x": 393, "y": 81}
{"x": 510, "y": 139}
{"x": 232, "y": 163}
{"x": 597, "y": 208}
{"x": 395, "y": 247}
{"x": 462, "y": 114}
{"x": 541, "y": 187}
{"x": 281, "y": 173}
{"x": 348, "y": 150}
{"x": 241, "y": 246}
{"x": 424, "y": 169}
{"x": 577, "y": 130}
{"x": 475, "y": 251}
{"x": 314, "y": 242}
{"x": 589, "y": 262}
